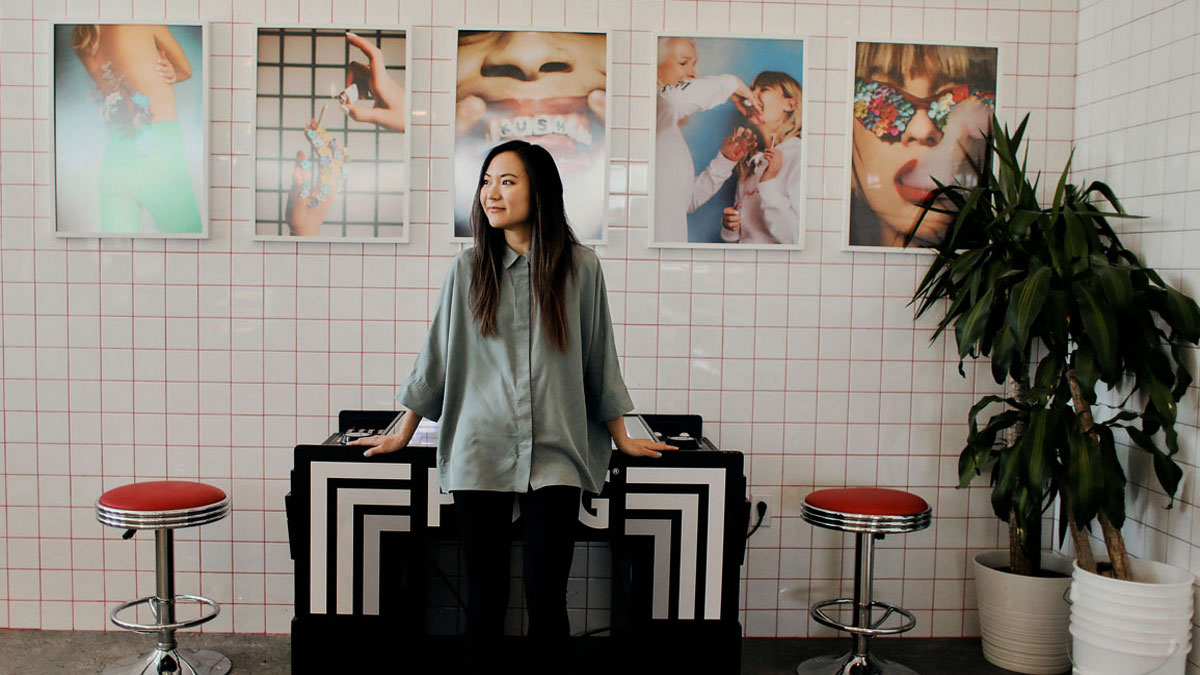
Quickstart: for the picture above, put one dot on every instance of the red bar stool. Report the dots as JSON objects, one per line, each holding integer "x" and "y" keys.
{"x": 163, "y": 506}
{"x": 870, "y": 513}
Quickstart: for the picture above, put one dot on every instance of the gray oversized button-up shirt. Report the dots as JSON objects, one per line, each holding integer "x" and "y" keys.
{"x": 512, "y": 411}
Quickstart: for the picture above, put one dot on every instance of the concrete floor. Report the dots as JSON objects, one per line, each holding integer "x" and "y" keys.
{"x": 34, "y": 652}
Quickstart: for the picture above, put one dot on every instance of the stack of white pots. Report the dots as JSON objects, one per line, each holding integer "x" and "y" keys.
{"x": 1022, "y": 619}
{"x": 1140, "y": 627}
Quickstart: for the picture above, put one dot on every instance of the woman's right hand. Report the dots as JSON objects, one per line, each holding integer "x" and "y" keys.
{"x": 379, "y": 445}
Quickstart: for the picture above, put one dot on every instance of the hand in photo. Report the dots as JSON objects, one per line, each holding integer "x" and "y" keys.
{"x": 745, "y": 100}
{"x": 374, "y": 82}
{"x": 316, "y": 181}
{"x": 774, "y": 160}
{"x": 739, "y": 144}
{"x": 731, "y": 217}
{"x": 165, "y": 69}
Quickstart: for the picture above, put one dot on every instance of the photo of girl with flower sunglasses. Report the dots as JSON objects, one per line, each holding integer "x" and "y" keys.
{"x": 921, "y": 115}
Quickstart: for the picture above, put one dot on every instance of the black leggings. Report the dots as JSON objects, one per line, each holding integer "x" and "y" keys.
{"x": 549, "y": 516}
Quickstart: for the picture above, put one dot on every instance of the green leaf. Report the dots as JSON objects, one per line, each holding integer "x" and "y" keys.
{"x": 1019, "y": 224}
{"x": 1160, "y": 396}
{"x": 1183, "y": 315}
{"x": 1028, "y": 297}
{"x": 970, "y": 326}
{"x": 1100, "y": 330}
{"x": 1114, "y": 477}
{"x": 1114, "y": 282}
{"x": 1048, "y": 371}
{"x": 1038, "y": 444}
{"x": 1086, "y": 371}
{"x": 1168, "y": 473}
{"x": 1062, "y": 183}
{"x": 1004, "y": 353}
{"x": 1075, "y": 242}
{"x": 1005, "y": 475}
{"x": 1086, "y": 476}
{"x": 971, "y": 463}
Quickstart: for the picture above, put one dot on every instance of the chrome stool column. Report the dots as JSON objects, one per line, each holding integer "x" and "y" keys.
{"x": 869, "y": 513}
{"x": 163, "y": 506}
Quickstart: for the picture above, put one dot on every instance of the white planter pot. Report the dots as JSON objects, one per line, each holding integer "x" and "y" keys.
{"x": 1024, "y": 619}
{"x": 1109, "y": 635}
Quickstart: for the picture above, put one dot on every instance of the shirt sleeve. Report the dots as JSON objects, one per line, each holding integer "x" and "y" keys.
{"x": 710, "y": 180}
{"x": 607, "y": 396}
{"x": 691, "y": 96}
{"x": 424, "y": 390}
{"x": 781, "y": 200}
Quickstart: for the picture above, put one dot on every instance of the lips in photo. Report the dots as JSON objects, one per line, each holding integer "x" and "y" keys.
{"x": 907, "y": 184}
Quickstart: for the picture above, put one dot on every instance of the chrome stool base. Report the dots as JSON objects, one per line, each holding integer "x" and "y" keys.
{"x": 173, "y": 662}
{"x": 849, "y": 664}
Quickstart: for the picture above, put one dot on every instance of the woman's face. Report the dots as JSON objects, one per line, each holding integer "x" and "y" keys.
{"x": 504, "y": 193}
{"x": 896, "y": 175}
{"x": 679, "y": 63}
{"x": 775, "y": 107}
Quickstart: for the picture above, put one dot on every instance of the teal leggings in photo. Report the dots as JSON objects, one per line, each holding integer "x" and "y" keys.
{"x": 148, "y": 172}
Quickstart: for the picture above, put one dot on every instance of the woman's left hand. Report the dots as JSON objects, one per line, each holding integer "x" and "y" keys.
{"x": 774, "y": 164}
{"x": 641, "y": 447}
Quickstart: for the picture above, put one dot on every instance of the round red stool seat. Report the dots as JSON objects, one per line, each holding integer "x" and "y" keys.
{"x": 867, "y": 509}
{"x": 162, "y": 504}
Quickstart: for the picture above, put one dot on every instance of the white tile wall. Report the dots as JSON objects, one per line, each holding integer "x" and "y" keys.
{"x": 1137, "y": 127}
{"x": 210, "y": 359}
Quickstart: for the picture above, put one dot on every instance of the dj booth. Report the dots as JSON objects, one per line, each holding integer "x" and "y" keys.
{"x": 360, "y": 530}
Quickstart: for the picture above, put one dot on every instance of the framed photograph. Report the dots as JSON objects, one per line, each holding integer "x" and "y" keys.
{"x": 331, "y": 141}
{"x": 920, "y": 114}
{"x": 728, "y": 161}
{"x": 130, "y": 116}
{"x": 544, "y": 87}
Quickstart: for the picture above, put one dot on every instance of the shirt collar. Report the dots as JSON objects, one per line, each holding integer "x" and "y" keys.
{"x": 511, "y": 256}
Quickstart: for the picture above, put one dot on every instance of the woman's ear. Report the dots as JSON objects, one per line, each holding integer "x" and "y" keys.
{"x": 791, "y": 104}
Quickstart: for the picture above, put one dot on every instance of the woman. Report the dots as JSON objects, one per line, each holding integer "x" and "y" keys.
{"x": 678, "y": 191}
{"x": 546, "y": 87}
{"x": 921, "y": 113}
{"x": 520, "y": 369}
{"x": 145, "y": 162}
{"x": 767, "y": 210}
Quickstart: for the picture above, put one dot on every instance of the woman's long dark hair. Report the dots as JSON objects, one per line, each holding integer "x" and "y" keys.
{"x": 552, "y": 246}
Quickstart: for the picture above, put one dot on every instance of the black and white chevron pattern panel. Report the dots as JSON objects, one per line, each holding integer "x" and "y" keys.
{"x": 678, "y": 515}
{"x": 351, "y": 505}
{"x": 682, "y": 510}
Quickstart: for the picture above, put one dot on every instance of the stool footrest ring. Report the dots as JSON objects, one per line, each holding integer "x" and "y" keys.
{"x": 817, "y": 611}
{"x": 149, "y": 629}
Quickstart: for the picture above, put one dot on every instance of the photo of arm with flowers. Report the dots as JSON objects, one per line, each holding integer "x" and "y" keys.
{"x": 331, "y": 142}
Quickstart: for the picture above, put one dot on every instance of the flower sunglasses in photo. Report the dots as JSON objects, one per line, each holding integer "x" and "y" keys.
{"x": 886, "y": 111}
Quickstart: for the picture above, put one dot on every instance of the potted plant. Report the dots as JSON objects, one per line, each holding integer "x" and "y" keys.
{"x": 1064, "y": 312}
